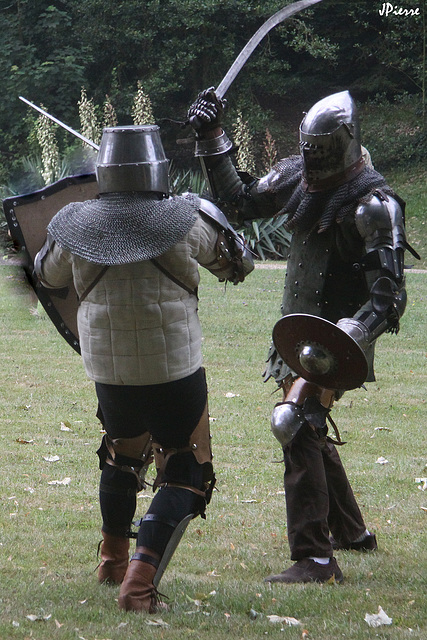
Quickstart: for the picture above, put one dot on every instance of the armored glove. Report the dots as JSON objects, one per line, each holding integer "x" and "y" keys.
{"x": 206, "y": 111}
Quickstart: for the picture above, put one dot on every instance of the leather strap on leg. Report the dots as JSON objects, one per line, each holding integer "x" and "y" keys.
{"x": 162, "y": 457}
{"x": 200, "y": 439}
{"x": 316, "y": 403}
{"x": 200, "y": 446}
{"x": 130, "y": 455}
{"x": 144, "y": 557}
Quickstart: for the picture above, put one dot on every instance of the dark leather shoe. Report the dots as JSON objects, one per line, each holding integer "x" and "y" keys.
{"x": 369, "y": 543}
{"x": 307, "y": 570}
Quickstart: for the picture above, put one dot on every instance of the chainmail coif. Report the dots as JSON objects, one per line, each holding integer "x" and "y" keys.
{"x": 307, "y": 211}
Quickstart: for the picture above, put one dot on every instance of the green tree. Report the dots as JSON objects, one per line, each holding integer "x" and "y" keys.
{"x": 40, "y": 58}
{"x": 175, "y": 48}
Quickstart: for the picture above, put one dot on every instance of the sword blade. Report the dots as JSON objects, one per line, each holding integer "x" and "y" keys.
{"x": 247, "y": 50}
{"x": 61, "y": 124}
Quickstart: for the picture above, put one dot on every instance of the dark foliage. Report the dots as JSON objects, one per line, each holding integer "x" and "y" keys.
{"x": 51, "y": 48}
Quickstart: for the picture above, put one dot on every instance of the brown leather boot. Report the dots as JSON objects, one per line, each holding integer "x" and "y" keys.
{"x": 138, "y": 592}
{"x": 114, "y": 553}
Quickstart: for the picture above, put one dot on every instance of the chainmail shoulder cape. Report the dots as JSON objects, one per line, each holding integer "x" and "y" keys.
{"x": 121, "y": 228}
{"x": 308, "y": 211}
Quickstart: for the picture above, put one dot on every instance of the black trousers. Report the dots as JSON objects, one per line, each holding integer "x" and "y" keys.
{"x": 319, "y": 498}
{"x": 170, "y": 412}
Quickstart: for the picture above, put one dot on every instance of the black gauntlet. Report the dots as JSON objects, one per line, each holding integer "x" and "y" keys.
{"x": 206, "y": 111}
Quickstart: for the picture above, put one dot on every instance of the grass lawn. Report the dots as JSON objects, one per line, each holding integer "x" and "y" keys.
{"x": 411, "y": 185}
{"x": 50, "y": 522}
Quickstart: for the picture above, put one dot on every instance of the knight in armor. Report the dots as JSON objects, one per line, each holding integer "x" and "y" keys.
{"x": 345, "y": 265}
{"x": 133, "y": 255}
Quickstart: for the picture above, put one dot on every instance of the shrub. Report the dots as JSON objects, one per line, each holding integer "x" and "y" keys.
{"x": 393, "y": 132}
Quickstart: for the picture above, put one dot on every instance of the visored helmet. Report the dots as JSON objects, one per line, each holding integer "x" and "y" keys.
{"x": 330, "y": 142}
{"x": 132, "y": 158}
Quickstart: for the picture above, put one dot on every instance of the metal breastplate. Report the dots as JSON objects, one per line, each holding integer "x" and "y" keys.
{"x": 319, "y": 280}
{"x": 322, "y": 281}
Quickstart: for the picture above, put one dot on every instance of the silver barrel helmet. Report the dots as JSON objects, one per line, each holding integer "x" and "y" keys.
{"x": 132, "y": 158}
{"x": 330, "y": 142}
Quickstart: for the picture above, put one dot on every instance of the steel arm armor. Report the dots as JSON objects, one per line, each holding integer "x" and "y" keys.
{"x": 236, "y": 191}
{"x": 242, "y": 197}
{"x": 231, "y": 248}
{"x": 380, "y": 223}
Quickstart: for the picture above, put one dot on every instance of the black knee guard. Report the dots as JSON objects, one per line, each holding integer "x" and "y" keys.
{"x": 162, "y": 518}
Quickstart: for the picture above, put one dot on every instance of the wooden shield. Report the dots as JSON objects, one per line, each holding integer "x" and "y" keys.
{"x": 295, "y": 331}
{"x": 27, "y": 217}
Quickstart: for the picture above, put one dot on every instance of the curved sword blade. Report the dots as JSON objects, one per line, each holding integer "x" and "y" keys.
{"x": 247, "y": 50}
